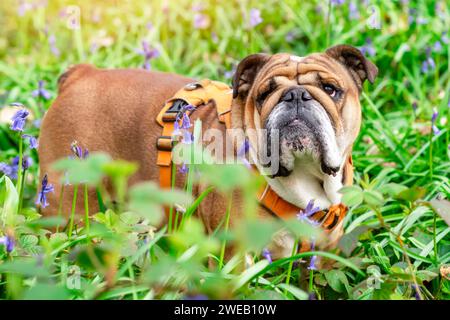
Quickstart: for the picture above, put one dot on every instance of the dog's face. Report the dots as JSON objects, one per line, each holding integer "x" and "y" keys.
{"x": 312, "y": 103}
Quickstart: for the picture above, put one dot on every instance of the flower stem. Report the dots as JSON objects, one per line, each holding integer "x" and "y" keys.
{"x": 72, "y": 215}
{"x": 311, "y": 280}
{"x": 291, "y": 264}
{"x": 86, "y": 209}
{"x": 172, "y": 183}
{"x": 20, "y": 165}
{"x": 61, "y": 197}
{"x": 22, "y": 187}
{"x": 224, "y": 243}
{"x": 436, "y": 259}
{"x": 400, "y": 242}
{"x": 430, "y": 159}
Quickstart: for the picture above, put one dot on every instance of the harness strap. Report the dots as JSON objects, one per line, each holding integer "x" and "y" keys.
{"x": 207, "y": 91}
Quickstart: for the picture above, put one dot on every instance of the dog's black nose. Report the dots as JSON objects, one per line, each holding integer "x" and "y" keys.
{"x": 296, "y": 94}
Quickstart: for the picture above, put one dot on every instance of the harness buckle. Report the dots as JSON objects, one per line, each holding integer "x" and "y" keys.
{"x": 164, "y": 143}
{"x": 171, "y": 114}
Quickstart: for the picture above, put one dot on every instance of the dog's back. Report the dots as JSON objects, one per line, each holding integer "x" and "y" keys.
{"x": 112, "y": 111}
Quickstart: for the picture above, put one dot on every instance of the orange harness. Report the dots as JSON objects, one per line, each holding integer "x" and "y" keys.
{"x": 207, "y": 91}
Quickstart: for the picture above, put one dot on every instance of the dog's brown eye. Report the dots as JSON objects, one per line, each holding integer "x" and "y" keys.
{"x": 263, "y": 96}
{"x": 330, "y": 90}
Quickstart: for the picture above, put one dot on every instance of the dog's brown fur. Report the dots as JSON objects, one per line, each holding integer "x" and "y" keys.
{"x": 114, "y": 111}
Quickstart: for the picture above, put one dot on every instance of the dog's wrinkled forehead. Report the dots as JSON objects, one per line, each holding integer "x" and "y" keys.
{"x": 342, "y": 61}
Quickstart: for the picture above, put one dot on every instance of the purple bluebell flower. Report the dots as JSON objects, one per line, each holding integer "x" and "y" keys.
{"x": 34, "y": 144}
{"x": 197, "y": 7}
{"x": 42, "y": 196}
{"x": 26, "y": 162}
{"x": 353, "y": 12}
{"x": 429, "y": 64}
{"x": 338, "y": 2}
{"x": 411, "y": 16}
{"x": 19, "y": 119}
{"x": 444, "y": 38}
{"x": 184, "y": 169}
{"x": 421, "y": 20}
{"x": 16, "y": 104}
{"x": 11, "y": 170}
{"x": 23, "y": 7}
{"x": 8, "y": 170}
{"x": 228, "y": 74}
{"x": 267, "y": 255}
{"x": 305, "y": 215}
{"x": 148, "y": 53}
{"x": 312, "y": 262}
{"x": 185, "y": 125}
{"x": 149, "y": 26}
{"x": 185, "y": 122}
{"x": 416, "y": 292}
{"x": 201, "y": 21}
{"x": 414, "y": 106}
{"x": 243, "y": 151}
{"x": 414, "y": 17}
{"x": 368, "y": 49}
{"x": 290, "y": 36}
{"x": 437, "y": 46}
{"x": 8, "y": 242}
{"x": 188, "y": 138}
{"x": 37, "y": 123}
{"x": 254, "y": 17}
{"x": 52, "y": 43}
{"x": 434, "y": 117}
{"x": 41, "y": 92}
{"x": 214, "y": 37}
{"x": 312, "y": 296}
{"x": 78, "y": 151}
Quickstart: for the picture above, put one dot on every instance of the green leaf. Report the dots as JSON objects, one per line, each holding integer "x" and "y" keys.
{"x": 92, "y": 257}
{"x": 373, "y": 198}
{"x": 426, "y": 275}
{"x": 25, "y": 267}
{"x": 87, "y": 170}
{"x": 44, "y": 291}
{"x": 146, "y": 199}
{"x": 442, "y": 208}
{"x": 392, "y": 189}
{"x": 385, "y": 291}
{"x": 119, "y": 168}
{"x": 337, "y": 280}
{"x": 412, "y": 194}
{"x": 349, "y": 241}
{"x": 256, "y": 234}
{"x": 46, "y": 222}
{"x": 10, "y": 206}
{"x": 161, "y": 271}
{"x": 296, "y": 292}
{"x": 249, "y": 273}
{"x": 28, "y": 241}
{"x": 193, "y": 233}
{"x": 300, "y": 229}
{"x": 352, "y": 196}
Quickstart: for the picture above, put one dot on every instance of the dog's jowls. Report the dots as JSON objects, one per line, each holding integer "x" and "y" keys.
{"x": 311, "y": 103}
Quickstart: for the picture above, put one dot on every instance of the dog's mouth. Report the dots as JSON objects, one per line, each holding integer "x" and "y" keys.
{"x": 303, "y": 134}
{"x": 298, "y": 136}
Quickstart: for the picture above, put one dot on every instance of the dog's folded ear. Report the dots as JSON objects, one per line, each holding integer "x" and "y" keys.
{"x": 246, "y": 73}
{"x": 360, "y": 68}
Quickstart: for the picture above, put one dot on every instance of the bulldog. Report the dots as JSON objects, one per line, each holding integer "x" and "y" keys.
{"x": 311, "y": 103}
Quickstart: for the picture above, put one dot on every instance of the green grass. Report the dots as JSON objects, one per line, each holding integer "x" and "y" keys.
{"x": 394, "y": 237}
